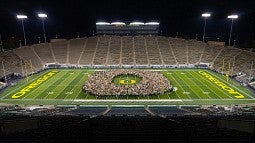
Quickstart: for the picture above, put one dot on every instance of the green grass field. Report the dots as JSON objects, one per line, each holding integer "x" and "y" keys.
{"x": 64, "y": 86}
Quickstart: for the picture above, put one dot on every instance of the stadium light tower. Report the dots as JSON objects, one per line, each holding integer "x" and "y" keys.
{"x": 42, "y": 16}
{"x": 205, "y": 15}
{"x": 24, "y": 34}
{"x": 232, "y": 17}
{"x": 1, "y": 44}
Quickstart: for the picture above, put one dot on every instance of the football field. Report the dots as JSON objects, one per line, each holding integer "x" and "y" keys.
{"x": 64, "y": 86}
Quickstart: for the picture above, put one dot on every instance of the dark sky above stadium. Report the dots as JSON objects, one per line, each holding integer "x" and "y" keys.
{"x": 67, "y": 17}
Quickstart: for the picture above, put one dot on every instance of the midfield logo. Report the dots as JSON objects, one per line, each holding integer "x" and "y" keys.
{"x": 127, "y": 81}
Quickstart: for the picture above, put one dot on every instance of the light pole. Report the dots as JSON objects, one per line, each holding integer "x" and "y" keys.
{"x": 5, "y": 80}
{"x": 78, "y": 35}
{"x": 1, "y": 44}
{"x": 205, "y": 15}
{"x": 39, "y": 39}
{"x": 232, "y": 17}
{"x": 24, "y": 34}
{"x": 20, "y": 44}
{"x": 42, "y": 16}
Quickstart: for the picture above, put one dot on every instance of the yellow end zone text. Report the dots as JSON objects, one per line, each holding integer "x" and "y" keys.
{"x": 222, "y": 85}
{"x": 34, "y": 84}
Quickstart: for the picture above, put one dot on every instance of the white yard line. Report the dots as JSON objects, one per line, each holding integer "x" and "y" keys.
{"x": 194, "y": 83}
{"x": 76, "y": 86}
{"x": 188, "y": 87}
{"x": 64, "y": 81}
{"x": 41, "y": 86}
{"x": 180, "y": 87}
{"x": 201, "y": 77}
{"x": 53, "y": 81}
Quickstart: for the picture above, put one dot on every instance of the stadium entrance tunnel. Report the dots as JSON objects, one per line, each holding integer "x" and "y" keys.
{"x": 126, "y": 79}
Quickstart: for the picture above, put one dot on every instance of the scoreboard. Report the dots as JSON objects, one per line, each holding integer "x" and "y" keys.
{"x": 133, "y": 28}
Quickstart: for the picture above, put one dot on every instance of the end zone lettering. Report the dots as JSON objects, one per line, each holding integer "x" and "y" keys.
{"x": 222, "y": 85}
{"x": 34, "y": 84}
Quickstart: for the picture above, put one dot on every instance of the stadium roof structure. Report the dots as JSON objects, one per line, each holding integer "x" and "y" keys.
{"x": 103, "y": 23}
{"x": 131, "y": 23}
{"x": 118, "y": 23}
{"x": 152, "y": 23}
{"x": 132, "y": 28}
{"x": 136, "y": 23}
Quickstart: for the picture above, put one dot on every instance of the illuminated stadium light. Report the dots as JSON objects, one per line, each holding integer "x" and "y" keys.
{"x": 21, "y": 16}
{"x": 152, "y": 23}
{"x": 233, "y": 16}
{"x": 23, "y": 28}
{"x": 136, "y": 23}
{"x": 206, "y": 15}
{"x": 118, "y": 23}
{"x": 42, "y": 15}
{"x": 103, "y": 23}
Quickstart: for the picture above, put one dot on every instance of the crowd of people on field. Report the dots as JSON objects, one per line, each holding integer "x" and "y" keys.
{"x": 152, "y": 83}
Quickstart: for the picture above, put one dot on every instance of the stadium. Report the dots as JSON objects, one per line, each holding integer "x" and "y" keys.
{"x": 203, "y": 73}
{"x": 128, "y": 72}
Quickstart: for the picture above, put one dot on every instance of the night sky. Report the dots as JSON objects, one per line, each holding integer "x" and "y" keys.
{"x": 67, "y": 17}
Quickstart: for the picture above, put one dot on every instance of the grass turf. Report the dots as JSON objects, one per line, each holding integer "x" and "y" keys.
{"x": 65, "y": 87}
